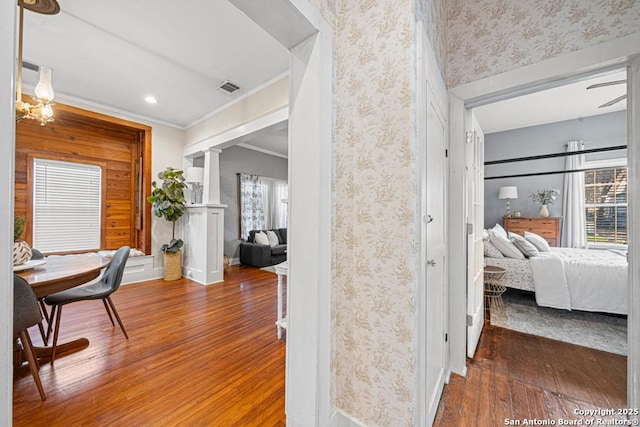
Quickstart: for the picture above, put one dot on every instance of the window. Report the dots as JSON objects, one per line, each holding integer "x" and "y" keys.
{"x": 67, "y": 206}
{"x": 606, "y": 202}
{"x": 263, "y": 203}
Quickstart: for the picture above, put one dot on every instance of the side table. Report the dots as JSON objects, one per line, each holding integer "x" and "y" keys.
{"x": 281, "y": 323}
{"x": 493, "y": 289}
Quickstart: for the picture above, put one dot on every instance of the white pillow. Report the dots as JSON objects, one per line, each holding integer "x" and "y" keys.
{"x": 499, "y": 230}
{"x": 273, "y": 239}
{"x": 485, "y": 235}
{"x": 261, "y": 238}
{"x": 538, "y": 241}
{"x": 525, "y": 246}
{"x": 505, "y": 246}
{"x": 490, "y": 251}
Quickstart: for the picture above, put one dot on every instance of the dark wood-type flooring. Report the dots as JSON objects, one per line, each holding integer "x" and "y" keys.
{"x": 196, "y": 356}
{"x": 517, "y": 376}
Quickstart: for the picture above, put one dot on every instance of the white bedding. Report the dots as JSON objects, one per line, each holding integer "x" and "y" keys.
{"x": 573, "y": 279}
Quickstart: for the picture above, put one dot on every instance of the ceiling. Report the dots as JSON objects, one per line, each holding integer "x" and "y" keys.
{"x": 116, "y": 52}
{"x": 572, "y": 101}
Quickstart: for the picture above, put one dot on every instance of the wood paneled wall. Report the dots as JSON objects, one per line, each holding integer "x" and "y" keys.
{"x": 80, "y": 135}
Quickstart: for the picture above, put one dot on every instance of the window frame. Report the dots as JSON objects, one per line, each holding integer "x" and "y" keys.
{"x": 103, "y": 199}
{"x": 614, "y": 163}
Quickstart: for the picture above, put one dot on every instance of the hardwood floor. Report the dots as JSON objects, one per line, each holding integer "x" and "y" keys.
{"x": 197, "y": 356}
{"x": 516, "y": 376}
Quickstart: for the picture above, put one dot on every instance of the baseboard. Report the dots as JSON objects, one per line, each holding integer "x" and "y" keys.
{"x": 340, "y": 419}
{"x": 141, "y": 276}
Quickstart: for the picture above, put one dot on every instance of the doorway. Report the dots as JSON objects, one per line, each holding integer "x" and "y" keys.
{"x": 550, "y": 74}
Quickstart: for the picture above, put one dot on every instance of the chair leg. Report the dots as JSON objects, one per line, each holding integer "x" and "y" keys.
{"x": 106, "y": 307}
{"x": 115, "y": 312}
{"x": 56, "y": 313}
{"x": 42, "y": 333}
{"x": 33, "y": 362}
{"x": 46, "y": 315}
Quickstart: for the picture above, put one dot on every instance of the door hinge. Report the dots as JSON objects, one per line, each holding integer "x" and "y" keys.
{"x": 469, "y": 320}
{"x": 469, "y": 136}
{"x": 446, "y": 337}
{"x": 469, "y": 228}
{"x": 446, "y": 152}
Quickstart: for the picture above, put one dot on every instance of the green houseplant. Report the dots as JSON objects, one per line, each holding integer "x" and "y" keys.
{"x": 168, "y": 202}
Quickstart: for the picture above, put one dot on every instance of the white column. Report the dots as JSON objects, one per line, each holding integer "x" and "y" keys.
{"x": 204, "y": 245}
{"x": 211, "y": 191}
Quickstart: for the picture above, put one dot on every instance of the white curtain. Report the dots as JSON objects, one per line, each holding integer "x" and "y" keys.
{"x": 251, "y": 204}
{"x": 574, "y": 232}
{"x": 263, "y": 203}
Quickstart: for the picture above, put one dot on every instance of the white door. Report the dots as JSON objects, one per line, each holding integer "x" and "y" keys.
{"x": 435, "y": 251}
{"x": 474, "y": 176}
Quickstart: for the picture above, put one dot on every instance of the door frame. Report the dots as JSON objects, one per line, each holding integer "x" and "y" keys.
{"x": 428, "y": 74}
{"x": 310, "y": 42}
{"x": 618, "y": 53}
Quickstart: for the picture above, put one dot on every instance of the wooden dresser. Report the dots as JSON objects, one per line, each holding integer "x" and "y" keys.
{"x": 548, "y": 227}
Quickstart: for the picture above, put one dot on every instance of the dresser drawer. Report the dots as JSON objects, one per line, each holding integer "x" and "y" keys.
{"x": 527, "y": 224}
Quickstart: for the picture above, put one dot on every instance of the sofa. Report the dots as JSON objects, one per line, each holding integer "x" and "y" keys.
{"x": 260, "y": 255}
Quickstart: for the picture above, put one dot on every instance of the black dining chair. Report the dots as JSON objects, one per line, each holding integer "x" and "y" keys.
{"x": 100, "y": 289}
{"x": 36, "y": 254}
{"x": 26, "y": 313}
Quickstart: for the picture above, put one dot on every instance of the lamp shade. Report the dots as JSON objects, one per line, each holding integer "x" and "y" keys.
{"x": 508, "y": 193}
{"x": 195, "y": 174}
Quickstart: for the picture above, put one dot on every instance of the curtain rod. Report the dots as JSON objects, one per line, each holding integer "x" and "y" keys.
{"x": 548, "y": 156}
{"x": 520, "y": 175}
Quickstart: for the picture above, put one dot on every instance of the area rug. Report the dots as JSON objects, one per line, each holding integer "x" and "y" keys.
{"x": 594, "y": 330}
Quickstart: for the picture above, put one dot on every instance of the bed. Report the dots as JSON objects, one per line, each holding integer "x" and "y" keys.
{"x": 571, "y": 279}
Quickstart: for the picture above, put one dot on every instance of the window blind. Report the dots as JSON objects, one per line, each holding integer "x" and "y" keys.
{"x": 67, "y": 207}
{"x": 606, "y": 206}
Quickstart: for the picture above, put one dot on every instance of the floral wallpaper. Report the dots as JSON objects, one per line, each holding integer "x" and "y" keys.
{"x": 373, "y": 190}
{"x": 489, "y": 37}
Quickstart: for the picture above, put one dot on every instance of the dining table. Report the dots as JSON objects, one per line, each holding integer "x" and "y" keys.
{"x": 57, "y": 273}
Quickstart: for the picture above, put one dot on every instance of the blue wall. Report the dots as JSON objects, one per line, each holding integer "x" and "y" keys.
{"x": 596, "y": 131}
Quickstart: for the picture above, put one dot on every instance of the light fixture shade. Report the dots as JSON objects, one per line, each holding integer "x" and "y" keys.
{"x": 508, "y": 193}
{"x": 195, "y": 174}
{"x": 44, "y": 90}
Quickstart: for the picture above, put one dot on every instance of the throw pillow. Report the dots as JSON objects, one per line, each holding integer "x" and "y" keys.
{"x": 497, "y": 229}
{"x": 538, "y": 241}
{"x": 273, "y": 238}
{"x": 505, "y": 246}
{"x": 261, "y": 238}
{"x": 490, "y": 251}
{"x": 525, "y": 246}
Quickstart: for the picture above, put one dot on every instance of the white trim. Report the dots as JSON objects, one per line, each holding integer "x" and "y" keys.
{"x": 227, "y": 137}
{"x": 112, "y": 111}
{"x": 633, "y": 229}
{"x": 342, "y": 419}
{"x": 608, "y": 55}
{"x": 240, "y": 98}
{"x": 618, "y": 162}
{"x": 7, "y": 174}
{"x": 261, "y": 150}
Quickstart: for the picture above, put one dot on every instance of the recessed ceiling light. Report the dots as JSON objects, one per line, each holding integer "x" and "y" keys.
{"x": 151, "y": 100}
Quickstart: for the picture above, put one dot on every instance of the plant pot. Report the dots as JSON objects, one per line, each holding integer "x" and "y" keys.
{"x": 21, "y": 252}
{"x": 544, "y": 212}
{"x": 172, "y": 265}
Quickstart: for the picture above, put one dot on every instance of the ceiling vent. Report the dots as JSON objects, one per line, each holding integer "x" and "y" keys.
{"x": 228, "y": 87}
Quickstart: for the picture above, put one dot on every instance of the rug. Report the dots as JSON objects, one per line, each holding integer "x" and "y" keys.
{"x": 594, "y": 330}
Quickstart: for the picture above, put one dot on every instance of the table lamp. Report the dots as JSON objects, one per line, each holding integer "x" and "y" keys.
{"x": 508, "y": 193}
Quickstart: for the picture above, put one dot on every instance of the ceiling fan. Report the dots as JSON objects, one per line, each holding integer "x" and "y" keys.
{"x": 613, "y": 101}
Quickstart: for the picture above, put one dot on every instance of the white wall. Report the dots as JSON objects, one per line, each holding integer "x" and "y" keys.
{"x": 271, "y": 97}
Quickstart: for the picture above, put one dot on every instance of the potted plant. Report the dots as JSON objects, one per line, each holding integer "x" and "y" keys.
{"x": 21, "y": 249}
{"x": 543, "y": 198}
{"x": 168, "y": 202}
